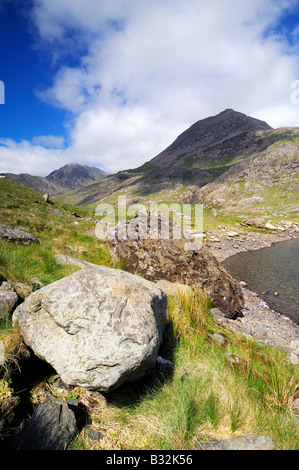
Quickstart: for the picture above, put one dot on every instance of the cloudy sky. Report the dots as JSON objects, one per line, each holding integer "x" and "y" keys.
{"x": 112, "y": 83}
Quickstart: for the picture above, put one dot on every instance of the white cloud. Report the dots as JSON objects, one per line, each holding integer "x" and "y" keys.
{"x": 49, "y": 141}
{"x": 152, "y": 68}
{"x": 24, "y": 157}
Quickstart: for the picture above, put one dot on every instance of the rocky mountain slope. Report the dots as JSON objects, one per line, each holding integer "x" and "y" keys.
{"x": 267, "y": 183}
{"x": 230, "y": 161}
{"x": 38, "y": 183}
{"x": 214, "y": 140}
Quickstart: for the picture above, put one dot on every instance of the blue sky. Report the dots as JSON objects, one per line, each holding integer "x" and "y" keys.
{"x": 23, "y": 70}
{"x": 113, "y": 83}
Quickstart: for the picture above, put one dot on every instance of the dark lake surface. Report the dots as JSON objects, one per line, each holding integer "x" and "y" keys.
{"x": 270, "y": 270}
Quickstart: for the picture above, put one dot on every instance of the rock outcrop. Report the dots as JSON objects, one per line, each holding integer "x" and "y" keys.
{"x": 13, "y": 234}
{"x": 171, "y": 260}
{"x": 97, "y": 328}
{"x": 51, "y": 427}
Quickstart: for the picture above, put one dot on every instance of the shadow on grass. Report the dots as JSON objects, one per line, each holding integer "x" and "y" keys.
{"x": 133, "y": 393}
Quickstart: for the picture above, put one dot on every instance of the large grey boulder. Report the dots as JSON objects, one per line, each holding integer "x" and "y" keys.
{"x": 13, "y": 234}
{"x": 98, "y": 327}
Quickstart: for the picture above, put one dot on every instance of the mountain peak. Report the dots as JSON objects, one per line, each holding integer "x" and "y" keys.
{"x": 73, "y": 176}
{"x": 214, "y": 137}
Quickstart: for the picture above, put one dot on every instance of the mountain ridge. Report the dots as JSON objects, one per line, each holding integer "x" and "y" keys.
{"x": 68, "y": 177}
{"x": 228, "y": 162}
{"x": 213, "y": 147}
{"x": 203, "y": 138}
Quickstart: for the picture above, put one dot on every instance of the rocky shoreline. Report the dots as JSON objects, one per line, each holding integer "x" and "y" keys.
{"x": 223, "y": 245}
{"x": 257, "y": 320}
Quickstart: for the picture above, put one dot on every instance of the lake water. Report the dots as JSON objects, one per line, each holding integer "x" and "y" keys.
{"x": 270, "y": 270}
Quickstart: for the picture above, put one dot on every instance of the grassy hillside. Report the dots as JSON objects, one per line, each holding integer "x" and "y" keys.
{"x": 205, "y": 395}
{"x": 29, "y": 267}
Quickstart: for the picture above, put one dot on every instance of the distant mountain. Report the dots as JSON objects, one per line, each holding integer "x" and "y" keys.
{"x": 66, "y": 178}
{"x": 73, "y": 176}
{"x": 34, "y": 182}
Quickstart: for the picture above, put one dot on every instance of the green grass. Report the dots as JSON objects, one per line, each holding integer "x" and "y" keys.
{"x": 205, "y": 397}
{"x": 35, "y": 265}
{"x": 210, "y": 163}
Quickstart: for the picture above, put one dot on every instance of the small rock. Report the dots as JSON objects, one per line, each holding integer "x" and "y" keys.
{"x": 94, "y": 435}
{"x": 219, "y": 338}
{"x": 232, "y": 234}
{"x": 8, "y": 301}
{"x": 294, "y": 358}
{"x": 241, "y": 443}
{"x": 5, "y": 286}
{"x": 72, "y": 402}
{"x": 57, "y": 212}
{"x": 164, "y": 362}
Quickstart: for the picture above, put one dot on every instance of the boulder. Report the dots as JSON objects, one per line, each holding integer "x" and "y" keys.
{"x": 168, "y": 259}
{"x": 258, "y": 222}
{"x": 51, "y": 427}
{"x": 13, "y": 234}
{"x": 97, "y": 328}
{"x": 270, "y": 226}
